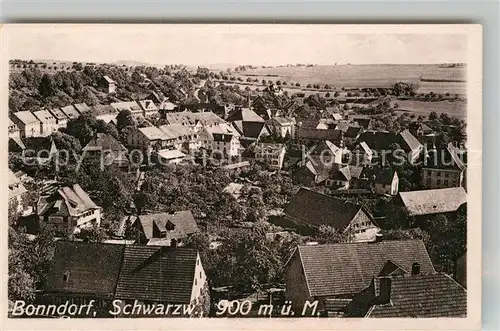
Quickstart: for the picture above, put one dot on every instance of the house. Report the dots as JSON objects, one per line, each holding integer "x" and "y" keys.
{"x": 236, "y": 168}
{"x": 61, "y": 118}
{"x": 70, "y": 112}
{"x": 313, "y": 209}
{"x": 245, "y": 115}
{"x": 104, "y": 112}
{"x": 282, "y": 126}
{"x": 82, "y": 108}
{"x": 308, "y": 135}
{"x": 107, "y": 84}
{"x": 419, "y": 129}
{"x": 234, "y": 189}
{"x": 170, "y": 156}
{"x": 445, "y": 168}
{"x": 193, "y": 119}
{"x": 148, "y": 139}
{"x": 84, "y": 271}
{"x": 28, "y": 124}
{"x": 110, "y": 149}
{"x": 147, "y": 276}
{"x": 363, "y": 120}
{"x": 362, "y": 155}
{"x": 48, "y": 122}
{"x": 16, "y": 193}
{"x": 150, "y": 111}
{"x": 410, "y": 295}
{"x": 383, "y": 143}
{"x": 182, "y": 137}
{"x": 461, "y": 270}
{"x": 317, "y": 172}
{"x": 16, "y": 145}
{"x": 352, "y": 134}
{"x": 131, "y": 106}
{"x": 221, "y": 139}
{"x": 68, "y": 210}
{"x": 270, "y": 154}
{"x": 164, "y": 228}
{"x": 437, "y": 201}
{"x": 14, "y": 131}
{"x": 327, "y": 151}
{"x": 250, "y": 132}
{"x": 380, "y": 180}
{"x": 340, "y": 271}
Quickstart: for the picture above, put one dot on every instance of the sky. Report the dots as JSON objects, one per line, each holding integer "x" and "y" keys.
{"x": 238, "y": 44}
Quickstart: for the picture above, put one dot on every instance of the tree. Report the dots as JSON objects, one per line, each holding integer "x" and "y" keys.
{"x": 433, "y": 116}
{"x": 297, "y": 84}
{"x": 92, "y": 234}
{"x": 327, "y": 95}
{"x": 83, "y": 128}
{"x": 337, "y": 94}
{"x": 308, "y": 86}
{"x": 263, "y": 82}
{"x": 46, "y": 87}
{"x": 346, "y": 107}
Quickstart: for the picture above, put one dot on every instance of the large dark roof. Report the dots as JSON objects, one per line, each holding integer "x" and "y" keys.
{"x": 104, "y": 141}
{"x": 249, "y": 129}
{"x": 434, "y": 295}
{"x": 378, "y": 140}
{"x": 158, "y": 274}
{"x": 450, "y": 158}
{"x": 348, "y": 268}
{"x": 91, "y": 268}
{"x": 382, "y": 175}
{"x": 316, "y": 209}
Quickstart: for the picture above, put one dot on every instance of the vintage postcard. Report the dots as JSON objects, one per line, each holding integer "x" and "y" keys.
{"x": 242, "y": 176}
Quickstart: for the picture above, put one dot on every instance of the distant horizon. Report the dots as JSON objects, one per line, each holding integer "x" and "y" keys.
{"x": 238, "y": 64}
{"x": 239, "y": 44}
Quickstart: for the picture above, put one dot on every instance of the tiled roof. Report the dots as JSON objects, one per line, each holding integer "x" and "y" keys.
{"x": 249, "y": 129}
{"x": 187, "y": 117}
{"x": 176, "y": 130}
{"x": 132, "y": 106}
{"x": 170, "y": 154}
{"x": 450, "y": 158}
{"x": 378, "y": 140}
{"x": 316, "y": 209}
{"x": 85, "y": 268}
{"x": 426, "y": 202}
{"x": 157, "y": 274}
{"x": 103, "y": 109}
{"x": 184, "y": 223}
{"x": 104, "y": 141}
{"x": 82, "y": 108}
{"x": 244, "y": 114}
{"x": 70, "y": 112}
{"x": 382, "y": 175}
{"x": 74, "y": 200}
{"x": 58, "y": 113}
{"x": 153, "y": 133}
{"x": 44, "y": 116}
{"x": 25, "y": 117}
{"x": 312, "y": 133}
{"x": 434, "y": 295}
{"x": 336, "y": 269}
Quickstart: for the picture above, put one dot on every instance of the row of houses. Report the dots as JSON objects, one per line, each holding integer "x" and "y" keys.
{"x": 42, "y": 123}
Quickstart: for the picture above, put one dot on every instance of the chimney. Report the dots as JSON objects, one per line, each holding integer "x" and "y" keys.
{"x": 415, "y": 269}
{"x": 384, "y": 295}
{"x": 379, "y": 237}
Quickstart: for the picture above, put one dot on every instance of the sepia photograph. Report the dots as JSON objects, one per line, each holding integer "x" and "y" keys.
{"x": 242, "y": 171}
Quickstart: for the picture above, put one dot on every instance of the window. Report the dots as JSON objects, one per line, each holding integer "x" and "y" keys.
{"x": 429, "y": 173}
{"x": 66, "y": 277}
{"x": 446, "y": 175}
{"x": 200, "y": 275}
{"x": 195, "y": 282}
{"x": 438, "y": 182}
{"x": 439, "y": 173}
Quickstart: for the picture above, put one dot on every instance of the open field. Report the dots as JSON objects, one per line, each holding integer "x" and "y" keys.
{"x": 442, "y": 87}
{"x": 452, "y": 108}
{"x": 358, "y": 76}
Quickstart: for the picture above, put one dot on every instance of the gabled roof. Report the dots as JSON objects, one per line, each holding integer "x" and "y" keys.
{"x": 104, "y": 141}
{"x": 103, "y": 109}
{"x": 108, "y": 80}
{"x": 148, "y": 105}
{"x": 353, "y": 131}
{"x": 25, "y": 117}
{"x": 316, "y": 209}
{"x": 427, "y": 296}
{"x": 84, "y": 268}
{"x": 378, "y": 140}
{"x": 74, "y": 200}
{"x": 157, "y": 274}
{"x": 132, "y": 106}
{"x": 171, "y": 154}
{"x": 451, "y": 158}
{"x": 58, "y": 113}
{"x": 336, "y": 269}
{"x": 175, "y": 131}
{"x": 184, "y": 223}
{"x": 189, "y": 118}
{"x": 284, "y": 121}
{"x": 426, "y": 202}
{"x": 70, "y": 112}
{"x": 44, "y": 116}
{"x": 244, "y": 114}
{"x": 312, "y": 133}
{"x": 153, "y": 133}
{"x": 249, "y": 129}
{"x": 82, "y": 108}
